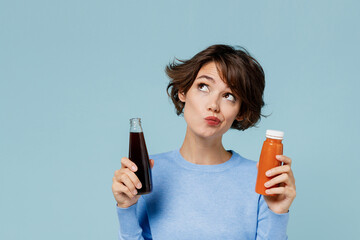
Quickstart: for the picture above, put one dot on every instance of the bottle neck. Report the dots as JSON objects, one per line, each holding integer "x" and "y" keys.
{"x": 135, "y": 125}
{"x": 273, "y": 140}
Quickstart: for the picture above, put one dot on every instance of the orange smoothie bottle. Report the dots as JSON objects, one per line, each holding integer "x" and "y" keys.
{"x": 272, "y": 146}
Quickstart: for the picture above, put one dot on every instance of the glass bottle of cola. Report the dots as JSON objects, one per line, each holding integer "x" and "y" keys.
{"x": 138, "y": 154}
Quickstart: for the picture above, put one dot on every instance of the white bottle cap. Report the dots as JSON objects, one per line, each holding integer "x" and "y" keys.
{"x": 274, "y": 134}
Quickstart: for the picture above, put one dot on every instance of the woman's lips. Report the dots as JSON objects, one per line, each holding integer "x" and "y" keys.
{"x": 214, "y": 121}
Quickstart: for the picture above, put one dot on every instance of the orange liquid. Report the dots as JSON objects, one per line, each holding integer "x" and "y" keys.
{"x": 270, "y": 149}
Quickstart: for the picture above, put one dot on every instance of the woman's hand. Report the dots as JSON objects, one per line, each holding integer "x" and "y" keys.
{"x": 285, "y": 192}
{"x": 126, "y": 183}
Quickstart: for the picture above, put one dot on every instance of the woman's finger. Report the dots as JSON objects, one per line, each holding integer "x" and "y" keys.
{"x": 282, "y": 178}
{"x": 286, "y": 160}
{"x": 121, "y": 190}
{"x": 288, "y": 191}
{"x": 277, "y": 190}
{"x": 278, "y": 170}
{"x": 128, "y": 183}
{"x": 126, "y": 191}
{"x": 125, "y": 162}
{"x": 134, "y": 179}
{"x": 151, "y": 163}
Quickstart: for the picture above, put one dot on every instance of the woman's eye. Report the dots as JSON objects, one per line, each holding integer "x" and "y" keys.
{"x": 203, "y": 87}
{"x": 230, "y": 97}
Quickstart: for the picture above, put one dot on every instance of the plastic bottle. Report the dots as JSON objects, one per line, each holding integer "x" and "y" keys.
{"x": 272, "y": 146}
{"x": 139, "y": 155}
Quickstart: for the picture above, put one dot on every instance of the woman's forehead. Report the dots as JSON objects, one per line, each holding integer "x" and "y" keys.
{"x": 209, "y": 67}
{"x": 211, "y": 72}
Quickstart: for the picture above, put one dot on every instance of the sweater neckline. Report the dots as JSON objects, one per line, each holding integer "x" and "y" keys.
{"x": 206, "y": 168}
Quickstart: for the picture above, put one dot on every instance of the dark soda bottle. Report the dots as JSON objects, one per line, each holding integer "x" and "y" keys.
{"x": 139, "y": 155}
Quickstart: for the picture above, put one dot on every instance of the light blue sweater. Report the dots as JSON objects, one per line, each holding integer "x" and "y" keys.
{"x": 191, "y": 201}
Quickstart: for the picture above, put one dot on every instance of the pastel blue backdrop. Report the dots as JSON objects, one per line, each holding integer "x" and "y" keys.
{"x": 72, "y": 73}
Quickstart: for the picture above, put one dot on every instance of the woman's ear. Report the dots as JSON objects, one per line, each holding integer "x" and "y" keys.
{"x": 181, "y": 96}
{"x": 239, "y": 118}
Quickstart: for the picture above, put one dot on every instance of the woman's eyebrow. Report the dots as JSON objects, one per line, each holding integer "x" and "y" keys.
{"x": 207, "y": 77}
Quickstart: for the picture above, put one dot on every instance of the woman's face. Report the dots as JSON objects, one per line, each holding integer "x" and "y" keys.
{"x": 210, "y": 106}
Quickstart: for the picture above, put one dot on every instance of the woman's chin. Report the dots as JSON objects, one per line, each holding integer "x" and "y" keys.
{"x": 209, "y": 134}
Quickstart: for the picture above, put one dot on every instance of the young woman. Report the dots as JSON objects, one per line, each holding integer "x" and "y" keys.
{"x": 202, "y": 190}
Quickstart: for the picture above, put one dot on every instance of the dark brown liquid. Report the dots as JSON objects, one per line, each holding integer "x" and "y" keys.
{"x": 139, "y": 155}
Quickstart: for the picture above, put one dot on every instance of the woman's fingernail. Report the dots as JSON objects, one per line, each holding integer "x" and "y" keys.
{"x": 278, "y": 157}
{"x": 267, "y": 184}
{"x": 268, "y": 173}
{"x": 133, "y": 167}
{"x": 139, "y": 185}
{"x": 267, "y": 191}
{"x": 134, "y": 192}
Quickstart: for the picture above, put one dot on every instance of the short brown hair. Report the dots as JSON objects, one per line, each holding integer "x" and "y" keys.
{"x": 237, "y": 68}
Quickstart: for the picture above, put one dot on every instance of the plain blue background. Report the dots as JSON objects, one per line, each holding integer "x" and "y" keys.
{"x": 72, "y": 73}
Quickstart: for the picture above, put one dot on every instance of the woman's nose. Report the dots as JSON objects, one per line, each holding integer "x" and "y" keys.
{"x": 214, "y": 106}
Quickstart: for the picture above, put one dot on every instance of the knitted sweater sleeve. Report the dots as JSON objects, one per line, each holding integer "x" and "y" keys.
{"x": 134, "y": 223}
{"x": 270, "y": 226}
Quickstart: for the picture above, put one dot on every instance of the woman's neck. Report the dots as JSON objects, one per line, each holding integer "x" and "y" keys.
{"x": 203, "y": 151}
